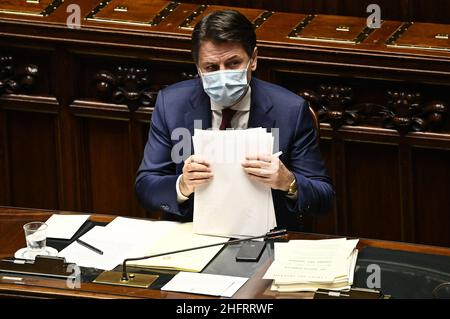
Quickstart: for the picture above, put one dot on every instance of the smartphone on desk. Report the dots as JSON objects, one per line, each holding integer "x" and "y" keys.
{"x": 251, "y": 251}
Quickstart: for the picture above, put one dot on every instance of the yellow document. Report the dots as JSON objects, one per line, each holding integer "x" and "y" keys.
{"x": 181, "y": 237}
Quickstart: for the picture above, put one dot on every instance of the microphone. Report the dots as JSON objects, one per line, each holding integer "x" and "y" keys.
{"x": 270, "y": 235}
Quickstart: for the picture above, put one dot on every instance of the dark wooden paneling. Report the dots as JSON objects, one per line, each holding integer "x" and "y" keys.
{"x": 429, "y": 11}
{"x": 4, "y": 171}
{"x": 32, "y": 158}
{"x": 373, "y": 192}
{"x": 107, "y": 172}
{"x": 431, "y": 170}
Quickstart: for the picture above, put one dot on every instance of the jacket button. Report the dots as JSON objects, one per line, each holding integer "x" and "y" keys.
{"x": 165, "y": 207}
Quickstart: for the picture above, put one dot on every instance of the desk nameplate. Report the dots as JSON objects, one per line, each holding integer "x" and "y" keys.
{"x": 257, "y": 16}
{"x": 40, "y": 8}
{"x": 423, "y": 36}
{"x": 137, "y": 12}
{"x": 334, "y": 29}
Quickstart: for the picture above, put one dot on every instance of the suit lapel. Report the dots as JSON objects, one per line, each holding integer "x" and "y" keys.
{"x": 261, "y": 106}
{"x": 200, "y": 111}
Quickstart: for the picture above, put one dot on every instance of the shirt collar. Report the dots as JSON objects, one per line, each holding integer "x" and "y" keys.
{"x": 242, "y": 105}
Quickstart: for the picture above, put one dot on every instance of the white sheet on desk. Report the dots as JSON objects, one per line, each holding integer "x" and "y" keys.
{"x": 122, "y": 238}
{"x": 114, "y": 252}
{"x": 205, "y": 284}
{"x": 64, "y": 226}
{"x": 128, "y": 238}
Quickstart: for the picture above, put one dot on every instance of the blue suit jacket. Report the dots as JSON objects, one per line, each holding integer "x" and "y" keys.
{"x": 271, "y": 107}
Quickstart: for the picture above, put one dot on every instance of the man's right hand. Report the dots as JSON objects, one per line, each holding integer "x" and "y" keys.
{"x": 196, "y": 172}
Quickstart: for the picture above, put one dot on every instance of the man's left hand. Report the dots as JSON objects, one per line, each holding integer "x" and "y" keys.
{"x": 268, "y": 170}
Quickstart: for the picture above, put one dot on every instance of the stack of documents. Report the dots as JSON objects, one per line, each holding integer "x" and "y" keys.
{"x": 308, "y": 265}
{"x": 127, "y": 238}
{"x": 232, "y": 205}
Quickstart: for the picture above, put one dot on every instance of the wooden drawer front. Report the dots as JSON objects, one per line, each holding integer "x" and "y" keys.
{"x": 278, "y": 26}
{"x": 29, "y": 7}
{"x": 424, "y": 36}
{"x": 336, "y": 29}
{"x": 257, "y": 16}
{"x": 132, "y": 12}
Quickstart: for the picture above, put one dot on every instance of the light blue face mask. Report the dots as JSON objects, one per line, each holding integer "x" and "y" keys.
{"x": 225, "y": 87}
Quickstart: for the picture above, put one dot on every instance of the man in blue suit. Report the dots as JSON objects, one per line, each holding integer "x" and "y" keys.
{"x": 227, "y": 96}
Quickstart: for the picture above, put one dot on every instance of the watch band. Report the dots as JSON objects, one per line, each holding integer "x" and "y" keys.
{"x": 292, "y": 188}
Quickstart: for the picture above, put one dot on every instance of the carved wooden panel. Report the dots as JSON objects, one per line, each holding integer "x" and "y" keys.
{"x": 367, "y": 100}
{"x": 130, "y": 86}
{"x": 134, "y": 83}
{"x": 16, "y": 78}
{"x": 403, "y": 111}
{"x": 28, "y": 68}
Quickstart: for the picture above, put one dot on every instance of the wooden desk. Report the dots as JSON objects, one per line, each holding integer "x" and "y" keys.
{"x": 12, "y": 239}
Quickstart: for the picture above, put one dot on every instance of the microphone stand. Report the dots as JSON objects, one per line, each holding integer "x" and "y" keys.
{"x": 272, "y": 234}
{"x": 125, "y": 279}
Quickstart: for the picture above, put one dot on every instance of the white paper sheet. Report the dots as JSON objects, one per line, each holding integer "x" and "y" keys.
{"x": 205, "y": 284}
{"x": 232, "y": 205}
{"x": 64, "y": 226}
{"x": 114, "y": 251}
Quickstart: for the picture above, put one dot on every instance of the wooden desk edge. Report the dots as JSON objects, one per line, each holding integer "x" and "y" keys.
{"x": 255, "y": 288}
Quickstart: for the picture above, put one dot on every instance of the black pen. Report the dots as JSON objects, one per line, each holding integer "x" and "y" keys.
{"x": 82, "y": 243}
